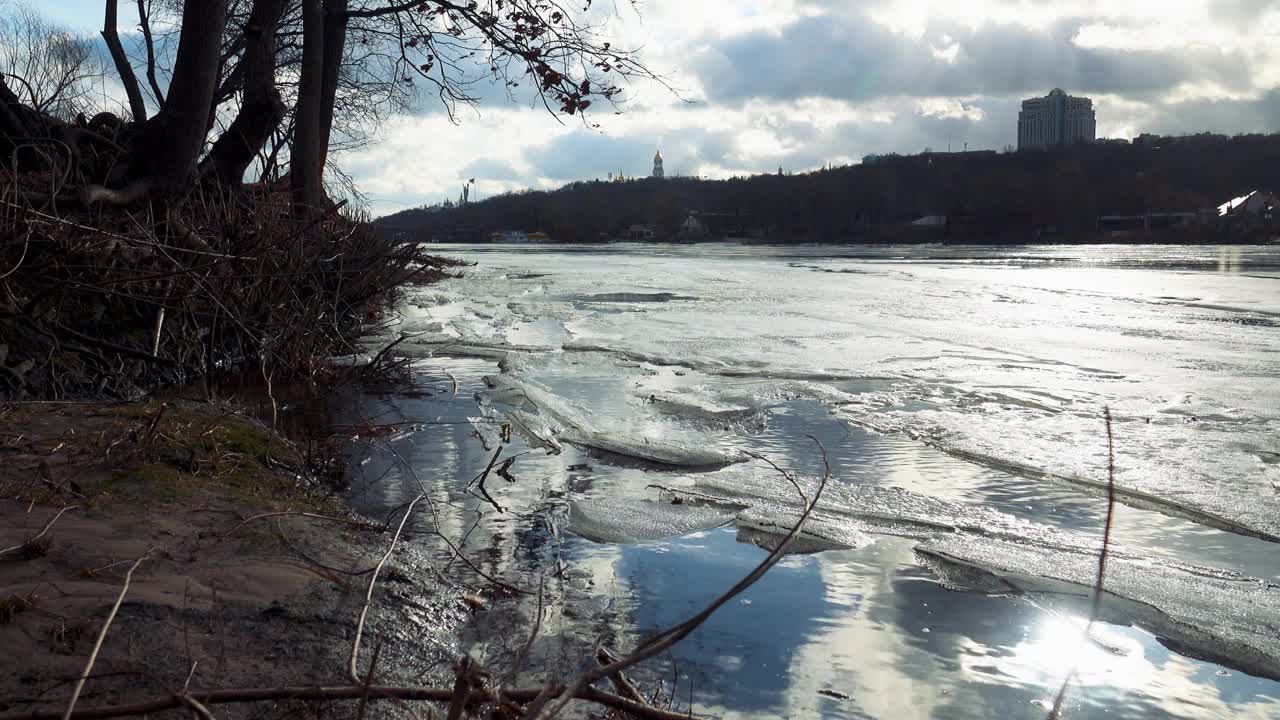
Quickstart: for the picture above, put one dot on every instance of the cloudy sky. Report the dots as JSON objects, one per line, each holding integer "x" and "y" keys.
{"x": 803, "y": 83}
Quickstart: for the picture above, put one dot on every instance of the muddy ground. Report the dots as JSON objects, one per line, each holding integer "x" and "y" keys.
{"x": 218, "y": 602}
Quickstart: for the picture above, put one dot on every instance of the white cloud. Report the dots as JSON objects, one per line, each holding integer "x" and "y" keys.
{"x": 948, "y": 52}
{"x": 427, "y": 158}
{"x": 950, "y": 108}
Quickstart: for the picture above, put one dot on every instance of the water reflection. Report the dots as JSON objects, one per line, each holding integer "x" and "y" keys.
{"x": 1229, "y": 260}
{"x": 869, "y": 633}
{"x": 843, "y": 634}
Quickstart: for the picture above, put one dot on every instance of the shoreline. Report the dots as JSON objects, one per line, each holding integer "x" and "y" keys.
{"x": 249, "y": 577}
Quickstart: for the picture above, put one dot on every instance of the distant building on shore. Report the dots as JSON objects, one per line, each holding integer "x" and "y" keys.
{"x": 641, "y": 232}
{"x": 1257, "y": 205}
{"x": 657, "y": 165}
{"x": 1203, "y": 138}
{"x": 1056, "y": 119}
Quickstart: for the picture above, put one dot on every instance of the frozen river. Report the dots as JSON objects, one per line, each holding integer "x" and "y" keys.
{"x": 960, "y": 393}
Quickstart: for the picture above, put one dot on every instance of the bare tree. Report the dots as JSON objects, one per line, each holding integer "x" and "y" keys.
{"x": 53, "y": 71}
{"x": 261, "y": 107}
{"x": 279, "y": 83}
{"x": 164, "y": 151}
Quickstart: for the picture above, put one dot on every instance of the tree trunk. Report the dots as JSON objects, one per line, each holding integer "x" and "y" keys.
{"x": 127, "y": 77}
{"x": 335, "y": 42}
{"x": 163, "y": 154}
{"x": 304, "y": 160}
{"x": 11, "y": 123}
{"x": 261, "y": 109}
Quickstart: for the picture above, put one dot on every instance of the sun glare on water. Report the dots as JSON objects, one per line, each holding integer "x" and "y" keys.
{"x": 1061, "y": 645}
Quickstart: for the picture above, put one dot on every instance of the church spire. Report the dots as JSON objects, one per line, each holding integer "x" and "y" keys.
{"x": 657, "y": 165}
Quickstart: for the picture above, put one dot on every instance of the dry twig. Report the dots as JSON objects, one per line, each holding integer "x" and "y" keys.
{"x": 352, "y": 670}
{"x": 102, "y": 635}
{"x": 201, "y": 711}
{"x": 373, "y": 667}
{"x": 1056, "y": 712}
{"x": 38, "y": 535}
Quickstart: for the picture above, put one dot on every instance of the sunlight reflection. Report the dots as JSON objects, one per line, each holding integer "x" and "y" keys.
{"x": 1060, "y": 644}
{"x": 1229, "y": 260}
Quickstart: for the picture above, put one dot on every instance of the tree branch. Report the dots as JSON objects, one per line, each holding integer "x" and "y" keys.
{"x": 145, "y": 22}
{"x": 102, "y": 635}
{"x": 667, "y": 638}
{"x": 352, "y": 670}
{"x": 38, "y": 535}
{"x": 137, "y": 107}
{"x": 389, "y": 10}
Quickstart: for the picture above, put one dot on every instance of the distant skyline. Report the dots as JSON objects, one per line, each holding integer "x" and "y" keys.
{"x": 804, "y": 83}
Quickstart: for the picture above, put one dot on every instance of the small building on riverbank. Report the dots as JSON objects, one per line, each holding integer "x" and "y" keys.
{"x": 1257, "y": 205}
{"x": 641, "y": 232}
{"x": 509, "y": 236}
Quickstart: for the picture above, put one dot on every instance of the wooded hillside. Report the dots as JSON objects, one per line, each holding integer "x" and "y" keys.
{"x": 986, "y": 196}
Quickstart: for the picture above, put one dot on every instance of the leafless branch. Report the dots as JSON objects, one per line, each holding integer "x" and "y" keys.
{"x": 38, "y": 535}
{"x": 124, "y": 70}
{"x": 200, "y": 710}
{"x": 352, "y": 670}
{"x": 1055, "y": 713}
{"x": 144, "y": 20}
{"x": 662, "y": 641}
{"x": 102, "y": 635}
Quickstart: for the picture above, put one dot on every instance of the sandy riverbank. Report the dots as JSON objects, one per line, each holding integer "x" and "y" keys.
{"x": 222, "y": 599}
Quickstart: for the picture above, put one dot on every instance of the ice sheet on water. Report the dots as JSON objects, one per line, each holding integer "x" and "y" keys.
{"x": 679, "y": 453}
{"x": 435, "y": 346}
{"x": 1212, "y": 614}
{"x": 565, "y": 421}
{"x": 1160, "y": 462}
{"x": 560, "y": 414}
{"x": 534, "y": 430}
{"x": 820, "y": 532}
{"x": 777, "y": 390}
{"x": 1005, "y": 367}
{"x": 850, "y": 515}
{"x": 487, "y": 431}
{"x": 631, "y": 297}
{"x": 616, "y": 520}
{"x": 703, "y": 407}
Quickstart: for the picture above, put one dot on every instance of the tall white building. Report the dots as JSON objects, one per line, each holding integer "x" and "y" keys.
{"x": 657, "y": 165}
{"x": 1056, "y": 119}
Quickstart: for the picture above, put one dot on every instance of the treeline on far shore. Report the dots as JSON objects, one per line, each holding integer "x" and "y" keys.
{"x": 1098, "y": 192}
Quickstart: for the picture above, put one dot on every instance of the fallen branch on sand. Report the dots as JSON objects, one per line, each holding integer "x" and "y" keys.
{"x": 35, "y": 538}
{"x": 102, "y": 635}
{"x": 368, "y": 596}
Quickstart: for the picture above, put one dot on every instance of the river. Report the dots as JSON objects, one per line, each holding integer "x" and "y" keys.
{"x": 959, "y": 394}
